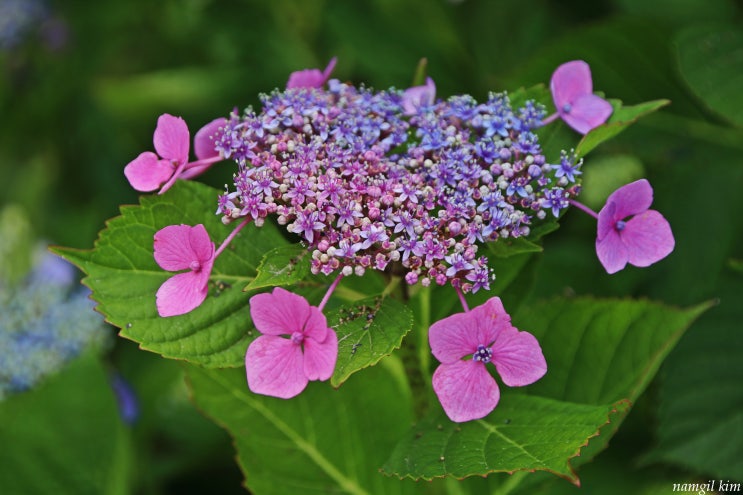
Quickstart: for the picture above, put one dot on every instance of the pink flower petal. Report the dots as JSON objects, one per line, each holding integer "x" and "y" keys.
{"x": 648, "y": 238}
{"x": 465, "y": 390}
{"x": 203, "y": 142}
{"x": 280, "y": 312}
{"x": 570, "y": 81}
{"x": 418, "y": 96}
{"x": 458, "y": 335}
{"x": 607, "y": 220}
{"x": 177, "y": 247}
{"x": 147, "y": 172}
{"x": 612, "y": 252}
{"x": 311, "y": 78}
{"x": 274, "y": 366}
{"x": 307, "y": 78}
{"x": 631, "y": 199}
{"x": 316, "y": 326}
{"x": 587, "y": 112}
{"x": 181, "y": 294}
{"x": 518, "y": 358}
{"x": 329, "y": 69}
{"x": 320, "y": 357}
{"x": 172, "y": 139}
{"x": 201, "y": 245}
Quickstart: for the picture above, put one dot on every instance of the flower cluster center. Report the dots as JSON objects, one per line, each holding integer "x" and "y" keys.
{"x": 366, "y": 184}
{"x": 483, "y": 354}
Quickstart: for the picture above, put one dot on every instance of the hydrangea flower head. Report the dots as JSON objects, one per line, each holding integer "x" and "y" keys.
{"x": 465, "y": 343}
{"x": 296, "y": 346}
{"x": 182, "y": 247}
{"x": 418, "y": 97}
{"x": 368, "y": 186}
{"x": 311, "y": 78}
{"x": 572, "y": 92}
{"x": 640, "y": 241}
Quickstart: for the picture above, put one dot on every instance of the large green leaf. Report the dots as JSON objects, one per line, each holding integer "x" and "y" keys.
{"x": 602, "y": 351}
{"x": 711, "y": 61}
{"x": 124, "y": 278}
{"x": 700, "y": 421}
{"x": 322, "y": 441}
{"x": 601, "y": 354}
{"x": 66, "y": 436}
{"x": 368, "y": 330}
{"x": 523, "y": 433}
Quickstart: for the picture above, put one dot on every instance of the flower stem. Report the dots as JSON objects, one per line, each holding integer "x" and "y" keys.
{"x": 329, "y": 292}
{"x": 462, "y": 300}
{"x": 550, "y": 119}
{"x": 232, "y": 235}
{"x": 584, "y": 208}
{"x": 176, "y": 173}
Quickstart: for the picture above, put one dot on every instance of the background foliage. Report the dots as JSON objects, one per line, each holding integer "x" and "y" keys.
{"x": 74, "y": 114}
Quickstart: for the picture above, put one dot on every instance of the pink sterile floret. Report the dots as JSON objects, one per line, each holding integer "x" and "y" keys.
{"x": 311, "y": 78}
{"x": 150, "y": 171}
{"x": 417, "y": 97}
{"x": 640, "y": 241}
{"x": 182, "y": 247}
{"x": 572, "y": 92}
{"x": 296, "y": 346}
{"x": 464, "y": 343}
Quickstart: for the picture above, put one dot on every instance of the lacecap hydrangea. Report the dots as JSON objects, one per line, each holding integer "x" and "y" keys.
{"x": 369, "y": 180}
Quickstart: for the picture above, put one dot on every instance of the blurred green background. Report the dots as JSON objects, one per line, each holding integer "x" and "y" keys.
{"x": 82, "y": 84}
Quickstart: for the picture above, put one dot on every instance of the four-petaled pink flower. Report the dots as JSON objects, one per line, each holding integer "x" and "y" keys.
{"x": 150, "y": 171}
{"x": 311, "y": 78}
{"x": 572, "y": 92}
{"x": 296, "y": 346}
{"x": 182, "y": 247}
{"x": 641, "y": 240}
{"x": 418, "y": 97}
{"x": 465, "y": 343}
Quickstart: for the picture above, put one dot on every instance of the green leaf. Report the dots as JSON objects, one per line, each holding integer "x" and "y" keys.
{"x": 368, "y": 330}
{"x": 124, "y": 278}
{"x": 285, "y": 265}
{"x": 621, "y": 118}
{"x": 523, "y": 433}
{"x": 700, "y": 421}
{"x": 602, "y": 351}
{"x": 322, "y": 441}
{"x": 419, "y": 77}
{"x": 601, "y": 354}
{"x": 711, "y": 62}
{"x": 66, "y": 436}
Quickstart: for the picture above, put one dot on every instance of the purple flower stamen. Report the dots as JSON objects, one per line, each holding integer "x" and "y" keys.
{"x": 483, "y": 354}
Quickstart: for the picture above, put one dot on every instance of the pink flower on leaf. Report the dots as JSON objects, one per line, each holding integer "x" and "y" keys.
{"x": 311, "y": 78}
{"x": 641, "y": 240}
{"x": 182, "y": 247}
{"x": 572, "y": 92}
{"x": 150, "y": 171}
{"x": 296, "y": 346}
{"x": 465, "y": 343}
{"x": 418, "y": 97}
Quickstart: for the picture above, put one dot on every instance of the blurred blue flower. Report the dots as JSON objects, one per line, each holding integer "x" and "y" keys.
{"x": 44, "y": 324}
